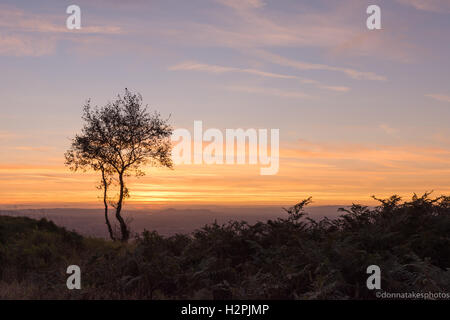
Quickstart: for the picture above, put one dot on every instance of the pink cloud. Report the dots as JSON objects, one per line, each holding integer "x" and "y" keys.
{"x": 439, "y": 97}
{"x": 302, "y": 65}
{"x": 20, "y": 21}
{"x": 442, "y": 6}
{"x": 23, "y": 45}
{"x": 242, "y": 4}
{"x": 270, "y": 91}
{"x": 195, "y": 66}
{"x": 29, "y": 34}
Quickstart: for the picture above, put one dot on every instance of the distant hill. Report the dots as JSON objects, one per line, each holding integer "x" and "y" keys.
{"x": 91, "y": 222}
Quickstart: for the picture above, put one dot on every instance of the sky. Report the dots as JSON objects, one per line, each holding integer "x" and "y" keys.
{"x": 360, "y": 112}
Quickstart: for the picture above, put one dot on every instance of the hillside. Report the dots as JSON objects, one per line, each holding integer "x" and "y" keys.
{"x": 285, "y": 258}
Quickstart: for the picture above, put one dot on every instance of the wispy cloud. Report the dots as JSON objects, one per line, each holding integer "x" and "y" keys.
{"x": 251, "y": 24}
{"x": 270, "y": 91}
{"x": 195, "y": 66}
{"x": 18, "y": 20}
{"x": 23, "y": 45}
{"x": 242, "y": 4}
{"x": 439, "y": 97}
{"x": 442, "y": 6}
{"x": 302, "y": 65}
{"x": 250, "y": 29}
{"x": 389, "y": 156}
{"x": 335, "y": 88}
{"x": 28, "y": 34}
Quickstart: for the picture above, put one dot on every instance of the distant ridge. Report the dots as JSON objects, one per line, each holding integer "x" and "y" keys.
{"x": 167, "y": 221}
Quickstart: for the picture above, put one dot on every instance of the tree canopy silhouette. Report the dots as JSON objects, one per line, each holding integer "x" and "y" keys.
{"x": 117, "y": 140}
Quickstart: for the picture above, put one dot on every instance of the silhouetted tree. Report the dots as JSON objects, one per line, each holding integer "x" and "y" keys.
{"x": 117, "y": 140}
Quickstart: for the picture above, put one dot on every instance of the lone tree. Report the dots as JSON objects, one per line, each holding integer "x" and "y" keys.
{"x": 117, "y": 140}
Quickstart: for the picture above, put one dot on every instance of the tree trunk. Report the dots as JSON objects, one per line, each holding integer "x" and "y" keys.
{"x": 105, "y": 193}
{"x": 123, "y": 226}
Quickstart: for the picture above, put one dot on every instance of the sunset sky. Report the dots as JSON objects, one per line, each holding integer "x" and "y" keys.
{"x": 360, "y": 112}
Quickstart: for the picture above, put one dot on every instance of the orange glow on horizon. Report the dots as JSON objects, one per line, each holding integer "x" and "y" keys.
{"x": 331, "y": 175}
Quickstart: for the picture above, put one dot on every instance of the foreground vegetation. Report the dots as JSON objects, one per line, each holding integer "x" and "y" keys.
{"x": 290, "y": 258}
